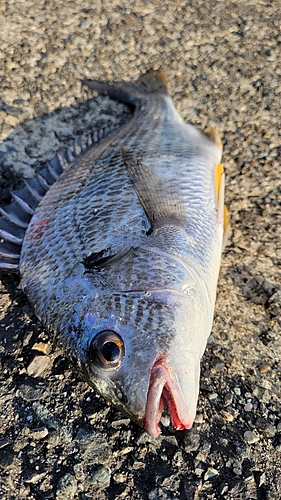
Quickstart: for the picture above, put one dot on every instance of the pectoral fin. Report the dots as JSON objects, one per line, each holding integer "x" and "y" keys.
{"x": 161, "y": 200}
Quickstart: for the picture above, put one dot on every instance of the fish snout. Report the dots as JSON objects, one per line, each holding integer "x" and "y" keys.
{"x": 164, "y": 390}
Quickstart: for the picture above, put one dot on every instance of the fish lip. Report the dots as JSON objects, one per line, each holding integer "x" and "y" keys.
{"x": 164, "y": 390}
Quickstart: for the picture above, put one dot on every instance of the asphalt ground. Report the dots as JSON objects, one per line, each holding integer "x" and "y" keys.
{"x": 58, "y": 439}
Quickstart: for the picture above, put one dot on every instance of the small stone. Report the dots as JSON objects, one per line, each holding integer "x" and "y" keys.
{"x": 203, "y": 451}
{"x": 35, "y": 478}
{"x": 67, "y": 488}
{"x": 138, "y": 465}
{"x": 191, "y": 441}
{"x": 120, "y": 478}
{"x": 38, "y": 365}
{"x": 101, "y": 475}
{"x": 199, "y": 419}
{"x": 39, "y": 433}
{"x": 79, "y": 472}
{"x": 3, "y": 442}
{"x": 30, "y": 393}
{"x": 218, "y": 364}
{"x": 237, "y": 471}
{"x": 263, "y": 395}
{"x": 224, "y": 488}
{"x": 165, "y": 421}
{"x": 228, "y": 398}
{"x": 264, "y": 368}
{"x": 213, "y": 396}
{"x": 248, "y": 407}
{"x": 123, "y": 421}
{"x": 93, "y": 447}
{"x": 237, "y": 391}
{"x": 199, "y": 471}
{"x": 268, "y": 429}
{"x": 126, "y": 450}
{"x": 262, "y": 479}
{"x": 250, "y": 437}
{"x": 210, "y": 473}
{"x": 227, "y": 416}
{"x": 41, "y": 347}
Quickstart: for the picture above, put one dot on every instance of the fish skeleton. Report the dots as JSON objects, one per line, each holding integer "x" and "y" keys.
{"x": 118, "y": 247}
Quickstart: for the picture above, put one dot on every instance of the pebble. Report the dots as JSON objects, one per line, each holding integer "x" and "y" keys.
{"x": 227, "y": 416}
{"x": 191, "y": 441}
{"x": 267, "y": 428}
{"x": 218, "y": 365}
{"x": 264, "y": 368}
{"x": 212, "y": 396}
{"x": 67, "y": 487}
{"x": 199, "y": 419}
{"x": 47, "y": 417}
{"x": 36, "y": 434}
{"x": 165, "y": 421}
{"x": 120, "y": 478}
{"x": 263, "y": 395}
{"x": 101, "y": 475}
{"x": 199, "y": 471}
{"x": 118, "y": 423}
{"x": 35, "y": 478}
{"x": 30, "y": 393}
{"x": 204, "y": 451}
{"x": 39, "y": 365}
{"x": 211, "y": 472}
{"x": 250, "y": 437}
{"x": 248, "y": 407}
{"x": 41, "y": 347}
{"x": 228, "y": 398}
{"x": 79, "y": 472}
{"x": 93, "y": 447}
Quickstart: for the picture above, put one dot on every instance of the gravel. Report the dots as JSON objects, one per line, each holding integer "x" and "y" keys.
{"x": 58, "y": 439}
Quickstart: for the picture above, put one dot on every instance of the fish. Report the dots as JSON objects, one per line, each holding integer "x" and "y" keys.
{"x": 118, "y": 244}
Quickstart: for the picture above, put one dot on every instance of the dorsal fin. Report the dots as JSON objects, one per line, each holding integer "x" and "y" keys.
{"x": 15, "y": 217}
{"x": 153, "y": 81}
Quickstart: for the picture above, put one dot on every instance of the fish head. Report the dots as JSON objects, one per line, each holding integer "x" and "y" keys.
{"x": 147, "y": 357}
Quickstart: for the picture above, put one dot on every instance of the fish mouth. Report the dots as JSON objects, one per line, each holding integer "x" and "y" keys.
{"x": 164, "y": 391}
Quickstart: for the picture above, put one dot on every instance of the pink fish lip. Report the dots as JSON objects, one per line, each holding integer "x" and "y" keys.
{"x": 164, "y": 390}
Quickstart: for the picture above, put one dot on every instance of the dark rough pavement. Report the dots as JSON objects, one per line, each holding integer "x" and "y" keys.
{"x": 58, "y": 440}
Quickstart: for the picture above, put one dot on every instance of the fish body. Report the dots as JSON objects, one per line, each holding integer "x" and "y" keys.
{"x": 120, "y": 259}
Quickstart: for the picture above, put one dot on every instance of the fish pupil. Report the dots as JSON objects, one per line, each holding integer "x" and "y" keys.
{"x": 110, "y": 351}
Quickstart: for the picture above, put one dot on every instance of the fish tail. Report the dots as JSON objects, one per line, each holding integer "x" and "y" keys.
{"x": 153, "y": 81}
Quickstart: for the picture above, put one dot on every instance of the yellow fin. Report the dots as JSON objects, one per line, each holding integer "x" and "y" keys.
{"x": 218, "y": 179}
{"x": 223, "y": 217}
{"x": 226, "y": 227}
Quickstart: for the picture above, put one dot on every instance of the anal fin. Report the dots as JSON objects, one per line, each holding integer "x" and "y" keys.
{"x": 223, "y": 217}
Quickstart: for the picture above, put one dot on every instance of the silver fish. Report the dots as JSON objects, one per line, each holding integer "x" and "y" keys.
{"x": 119, "y": 247}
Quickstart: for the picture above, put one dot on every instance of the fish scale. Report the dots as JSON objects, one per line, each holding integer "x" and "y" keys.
{"x": 121, "y": 255}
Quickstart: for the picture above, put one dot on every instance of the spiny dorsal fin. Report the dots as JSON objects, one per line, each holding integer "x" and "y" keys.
{"x": 160, "y": 199}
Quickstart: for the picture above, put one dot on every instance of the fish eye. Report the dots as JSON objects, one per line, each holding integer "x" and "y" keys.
{"x": 107, "y": 350}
